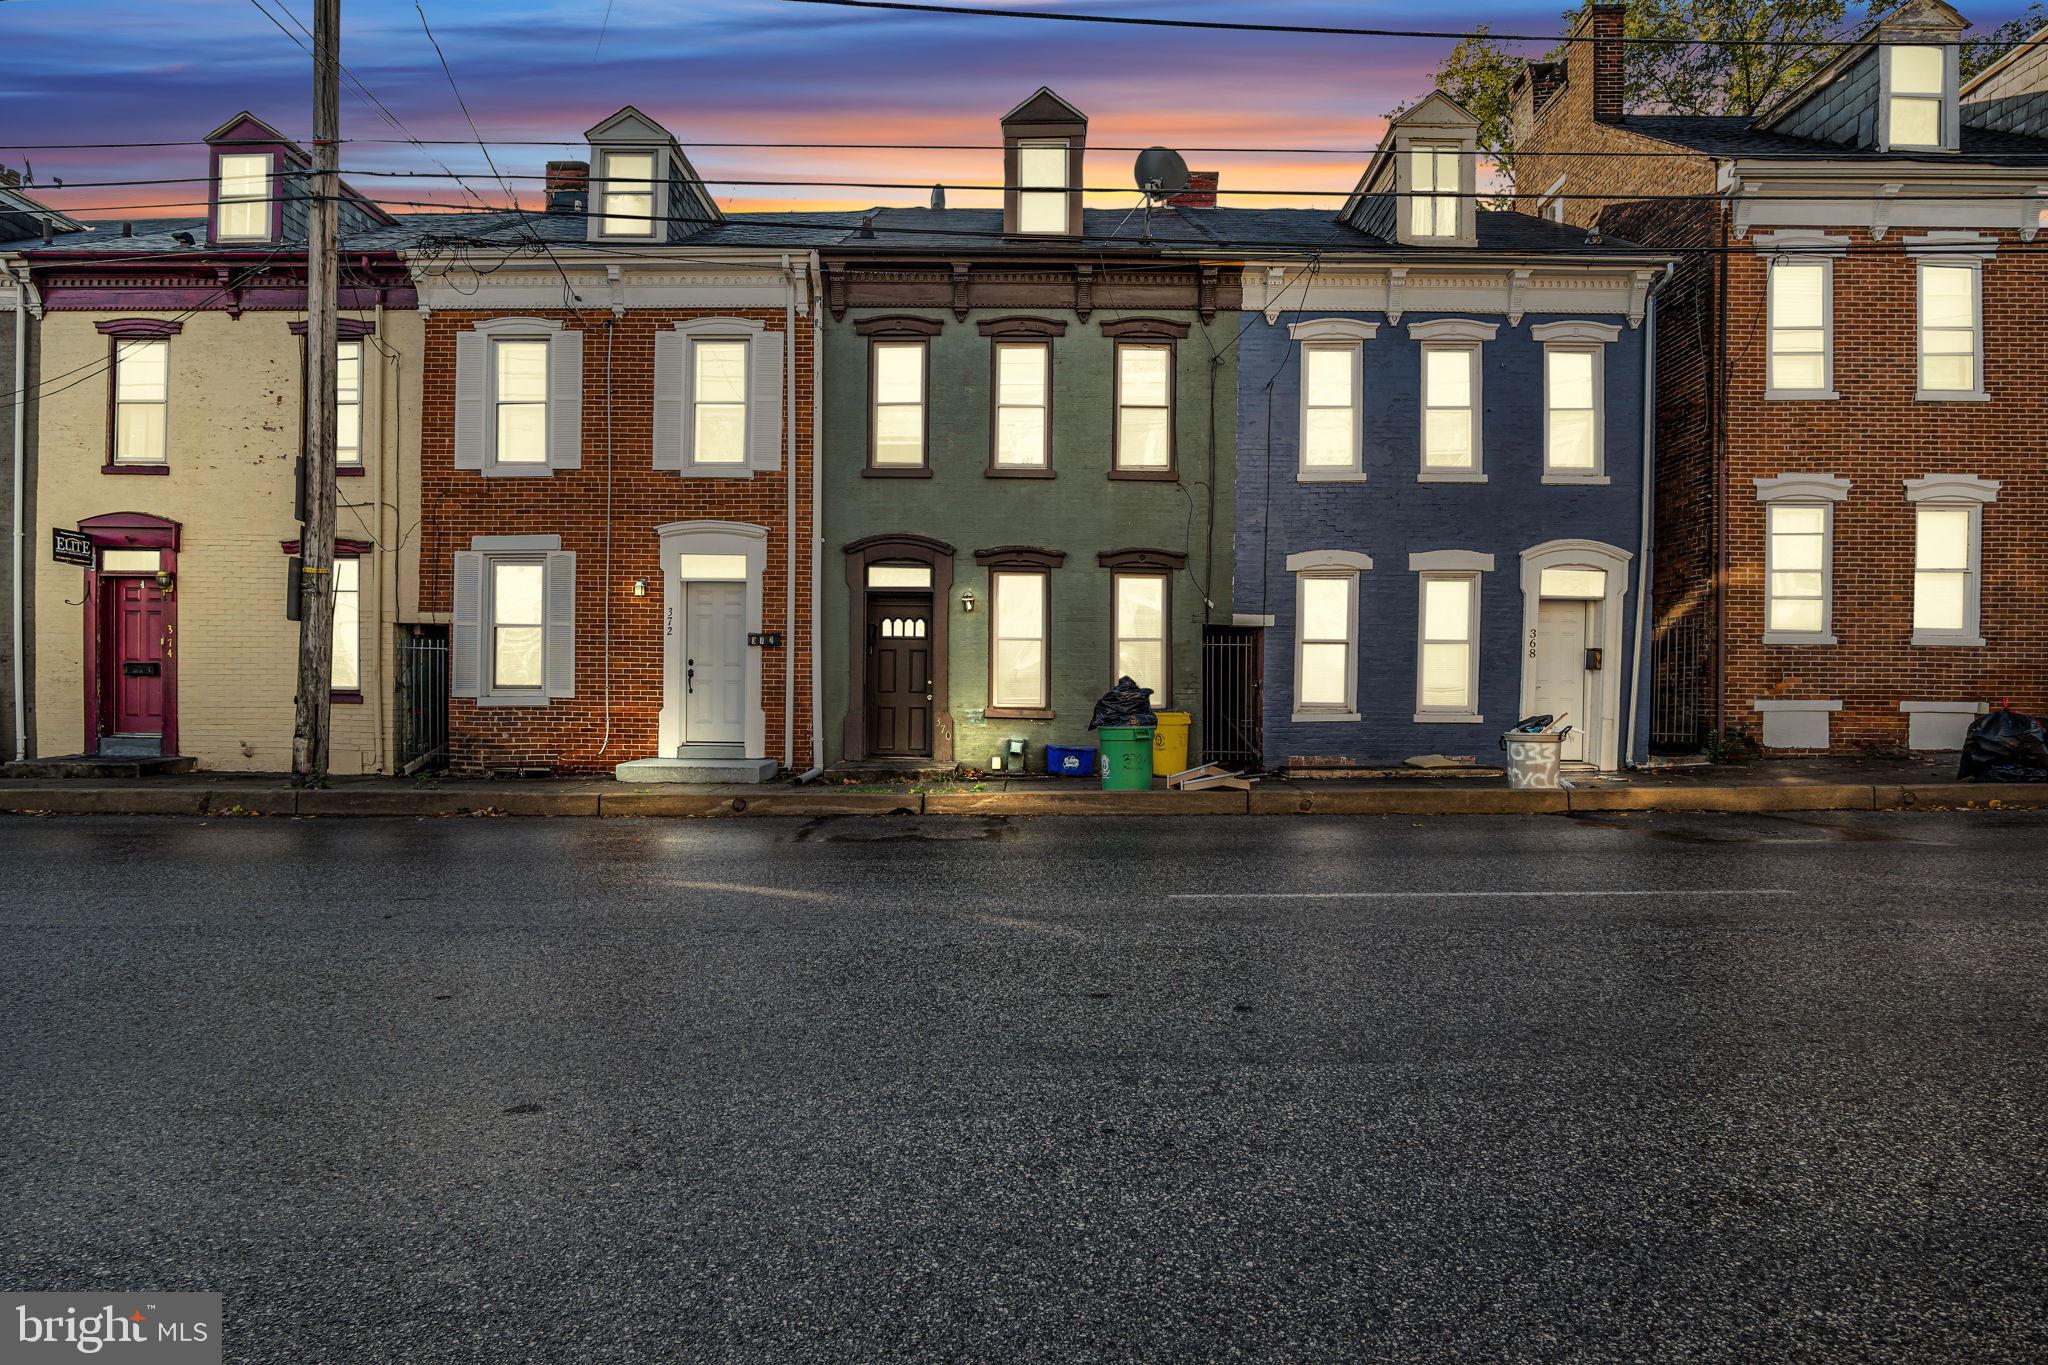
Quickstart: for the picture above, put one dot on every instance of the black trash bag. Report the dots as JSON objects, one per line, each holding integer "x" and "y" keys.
{"x": 1125, "y": 704}
{"x": 2005, "y": 746}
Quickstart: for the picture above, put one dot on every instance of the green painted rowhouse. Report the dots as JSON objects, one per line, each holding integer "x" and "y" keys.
{"x": 1027, "y": 448}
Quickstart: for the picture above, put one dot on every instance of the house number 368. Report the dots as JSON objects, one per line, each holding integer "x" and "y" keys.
{"x": 1532, "y": 643}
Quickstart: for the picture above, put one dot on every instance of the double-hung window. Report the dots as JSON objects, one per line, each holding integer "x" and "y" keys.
{"x": 346, "y": 672}
{"x": 1140, "y": 615}
{"x": 141, "y": 401}
{"x": 1329, "y": 407}
{"x": 899, "y": 405}
{"x": 1799, "y": 530}
{"x": 1019, "y": 661}
{"x": 1914, "y": 108}
{"x": 628, "y": 194}
{"x": 1023, "y": 407}
{"x": 242, "y": 211}
{"x": 1574, "y": 399}
{"x": 348, "y": 404}
{"x": 518, "y": 628}
{"x": 519, "y": 401}
{"x": 1144, "y": 407}
{"x": 513, "y": 641}
{"x": 1042, "y": 187}
{"x": 1948, "y": 557}
{"x": 1326, "y": 633}
{"x": 1447, "y": 649}
{"x": 1434, "y": 185}
{"x": 1800, "y": 314}
{"x": 1951, "y": 329}
{"x": 718, "y": 401}
{"x": 1450, "y": 409}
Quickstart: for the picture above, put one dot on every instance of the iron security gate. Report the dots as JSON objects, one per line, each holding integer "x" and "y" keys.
{"x": 1233, "y": 695}
{"x": 1678, "y": 684}
{"x": 423, "y": 698}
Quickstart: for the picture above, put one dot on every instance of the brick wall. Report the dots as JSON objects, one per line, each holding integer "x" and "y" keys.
{"x": 569, "y": 734}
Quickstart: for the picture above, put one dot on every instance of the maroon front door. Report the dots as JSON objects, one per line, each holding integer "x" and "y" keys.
{"x": 132, "y": 658}
{"x": 899, "y": 679}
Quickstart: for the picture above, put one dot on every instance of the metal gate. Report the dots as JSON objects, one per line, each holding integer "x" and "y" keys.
{"x": 1678, "y": 684}
{"x": 423, "y": 698}
{"x": 1233, "y": 695}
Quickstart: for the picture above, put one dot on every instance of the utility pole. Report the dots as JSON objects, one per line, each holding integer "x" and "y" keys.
{"x": 316, "y": 542}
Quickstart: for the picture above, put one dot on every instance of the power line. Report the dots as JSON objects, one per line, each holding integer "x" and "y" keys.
{"x": 1331, "y": 30}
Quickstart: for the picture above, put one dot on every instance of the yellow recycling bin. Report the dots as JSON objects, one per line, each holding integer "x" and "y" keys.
{"x": 1170, "y": 743}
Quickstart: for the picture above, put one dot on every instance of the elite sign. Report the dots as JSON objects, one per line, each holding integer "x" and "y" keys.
{"x": 70, "y": 547}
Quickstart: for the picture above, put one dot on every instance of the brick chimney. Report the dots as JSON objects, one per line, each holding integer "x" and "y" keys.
{"x": 1200, "y": 193}
{"x": 1603, "y": 24}
{"x": 568, "y": 186}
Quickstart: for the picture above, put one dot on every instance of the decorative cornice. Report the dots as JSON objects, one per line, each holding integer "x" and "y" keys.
{"x": 347, "y": 329}
{"x": 1951, "y": 488}
{"x": 1574, "y": 329}
{"x": 1802, "y": 488}
{"x": 1135, "y": 558}
{"x": 899, "y": 325}
{"x": 139, "y": 327}
{"x": 1023, "y": 327}
{"x": 342, "y": 546}
{"x": 1332, "y": 329}
{"x": 1020, "y": 557}
{"x": 1165, "y": 329}
{"x": 1353, "y": 560}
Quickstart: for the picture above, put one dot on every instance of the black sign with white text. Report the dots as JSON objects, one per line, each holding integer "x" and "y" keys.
{"x": 69, "y": 547}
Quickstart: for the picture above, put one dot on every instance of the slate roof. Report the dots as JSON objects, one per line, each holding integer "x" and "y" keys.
{"x": 1736, "y": 136}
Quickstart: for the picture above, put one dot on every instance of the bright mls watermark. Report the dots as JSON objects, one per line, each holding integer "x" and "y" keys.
{"x": 162, "y": 1329}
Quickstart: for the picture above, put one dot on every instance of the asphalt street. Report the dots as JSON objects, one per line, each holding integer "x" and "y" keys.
{"x": 1602, "y": 1088}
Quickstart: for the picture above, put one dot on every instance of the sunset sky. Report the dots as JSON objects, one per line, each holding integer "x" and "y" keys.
{"x": 713, "y": 70}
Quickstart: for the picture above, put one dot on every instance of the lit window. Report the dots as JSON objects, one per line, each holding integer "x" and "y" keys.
{"x": 1446, "y": 673}
{"x": 1581, "y": 583}
{"x": 348, "y": 404}
{"x": 1571, "y": 433}
{"x": 1433, "y": 183}
{"x": 1450, "y": 413}
{"x": 1324, "y": 652}
{"x": 1918, "y": 85}
{"x": 1949, "y": 318}
{"x": 141, "y": 401}
{"x": 1799, "y": 362}
{"x": 1023, "y": 394}
{"x": 899, "y": 576}
{"x": 718, "y": 402}
{"x": 899, "y": 404}
{"x": 1144, "y": 405}
{"x": 519, "y": 424}
{"x": 1140, "y": 615}
{"x": 517, "y": 625}
{"x": 1942, "y": 569}
{"x": 1042, "y": 187}
{"x": 629, "y": 194}
{"x": 346, "y": 674}
{"x": 1017, "y": 657}
{"x": 244, "y": 212}
{"x": 1797, "y": 569}
{"x": 1329, "y": 407}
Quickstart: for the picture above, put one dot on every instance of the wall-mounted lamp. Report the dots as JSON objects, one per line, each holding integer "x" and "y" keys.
{"x": 163, "y": 579}
{"x": 967, "y": 599}
{"x": 639, "y": 587}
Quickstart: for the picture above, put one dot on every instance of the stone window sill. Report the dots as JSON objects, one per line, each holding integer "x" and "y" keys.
{"x": 1326, "y": 717}
{"x": 348, "y": 471}
{"x": 1780, "y": 638}
{"x": 1800, "y": 395}
{"x": 1018, "y": 713}
{"x": 1950, "y": 396}
{"x": 1448, "y": 718}
{"x": 517, "y": 471}
{"x": 716, "y": 471}
{"x": 1146, "y": 475}
{"x": 1329, "y": 476}
{"x": 513, "y": 699}
{"x": 996, "y": 471}
{"x": 1938, "y": 639}
{"x": 1449, "y": 476}
{"x": 896, "y": 472}
{"x": 348, "y": 697}
{"x": 136, "y": 469}
{"x": 1578, "y": 480}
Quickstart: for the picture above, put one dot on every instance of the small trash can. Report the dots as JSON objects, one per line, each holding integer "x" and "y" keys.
{"x": 1170, "y": 743}
{"x": 1533, "y": 759}
{"x": 1126, "y": 758}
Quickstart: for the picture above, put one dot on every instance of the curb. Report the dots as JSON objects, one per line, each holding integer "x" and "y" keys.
{"x": 343, "y": 802}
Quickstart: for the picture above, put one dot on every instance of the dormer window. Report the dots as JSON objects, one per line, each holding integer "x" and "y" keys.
{"x": 628, "y": 193}
{"x": 1042, "y": 186}
{"x": 1433, "y": 182}
{"x": 1916, "y": 101}
{"x": 244, "y": 198}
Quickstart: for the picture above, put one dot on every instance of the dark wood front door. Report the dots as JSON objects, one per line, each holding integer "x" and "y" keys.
{"x": 132, "y": 646}
{"x": 900, "y": 679}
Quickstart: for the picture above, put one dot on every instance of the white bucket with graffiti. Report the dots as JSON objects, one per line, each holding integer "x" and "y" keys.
{"x": 1533, "y": 759}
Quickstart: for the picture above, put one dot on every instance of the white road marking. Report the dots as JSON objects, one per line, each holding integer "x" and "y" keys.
{"x": 1447, "y": 895}
{"x": 783, "y": 893}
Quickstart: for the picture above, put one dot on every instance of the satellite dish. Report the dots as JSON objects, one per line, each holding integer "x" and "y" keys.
{"x": 1161, "y": 172}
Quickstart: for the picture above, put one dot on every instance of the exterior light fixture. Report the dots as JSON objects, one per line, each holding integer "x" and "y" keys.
{"x": 967, "y": 599}
{"x": 163, "y": 579}
{"x": 639, "y": 587}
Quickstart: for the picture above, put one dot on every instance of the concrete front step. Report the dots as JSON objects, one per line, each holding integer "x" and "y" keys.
{"x": 649, "y": 771}
{"x": 119, "y": 766}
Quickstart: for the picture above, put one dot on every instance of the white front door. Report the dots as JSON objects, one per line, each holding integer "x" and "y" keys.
{"x": 714, "y": 664}
{"x": 1564, "y": 685}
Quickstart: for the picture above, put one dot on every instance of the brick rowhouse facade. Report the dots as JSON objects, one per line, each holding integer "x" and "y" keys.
{"x": 1879, "y": 214}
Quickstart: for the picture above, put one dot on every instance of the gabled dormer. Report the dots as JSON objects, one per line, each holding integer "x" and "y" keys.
{"x": 2011, "y": 94}
{"x": 1422, "y": 186}
{"x": 256, "y": 177}
{"x": 642, "y": 187}
{"x": 1894, "y": 90}
{"x": 1045, "y": 141}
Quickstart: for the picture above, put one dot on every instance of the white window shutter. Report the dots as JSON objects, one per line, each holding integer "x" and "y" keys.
{"x": 561, "y": 624}
{"x": 764, "y": 401}
{"x": 565, "y": 400}
{"x": 471, "y": 349}
{"x": 671, "y": 355}
{"x": 465, "y": 639}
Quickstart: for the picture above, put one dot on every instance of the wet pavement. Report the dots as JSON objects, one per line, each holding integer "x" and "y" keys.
{"x": 1604, "y": 1087}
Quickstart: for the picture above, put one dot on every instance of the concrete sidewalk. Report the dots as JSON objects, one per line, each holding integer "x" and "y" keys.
{"x": 1800, "y": 785}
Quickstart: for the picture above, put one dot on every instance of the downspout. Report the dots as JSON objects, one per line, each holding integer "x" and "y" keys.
{"x": 387, "y": 559}
{"x": 20, "y": 505}
{"x": 817, "y": 521}
{"x": 1718, "y": 499}
{"x": 1647, "y": 519}
{"x": 789, "y": 493}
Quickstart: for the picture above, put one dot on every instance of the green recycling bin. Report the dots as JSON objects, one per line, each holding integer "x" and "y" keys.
{"x": 1126, "y": 758}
